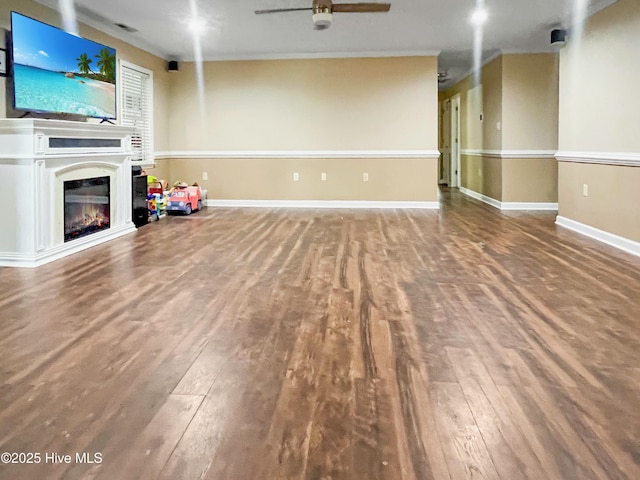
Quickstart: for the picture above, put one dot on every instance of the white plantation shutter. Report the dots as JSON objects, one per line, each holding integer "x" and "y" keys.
{"x": 136, "y": 86}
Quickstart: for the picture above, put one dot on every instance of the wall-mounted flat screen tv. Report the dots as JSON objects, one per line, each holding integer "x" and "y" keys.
{"x": 57, "y": 72}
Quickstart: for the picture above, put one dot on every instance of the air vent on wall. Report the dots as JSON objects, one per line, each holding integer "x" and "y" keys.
{"x": 126, "y": 28}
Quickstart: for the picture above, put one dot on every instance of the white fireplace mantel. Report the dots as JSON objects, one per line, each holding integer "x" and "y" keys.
{"x": 36, "y": 157}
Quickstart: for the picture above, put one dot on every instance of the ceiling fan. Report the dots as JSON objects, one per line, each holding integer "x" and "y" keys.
{"x": 323, "y": 10}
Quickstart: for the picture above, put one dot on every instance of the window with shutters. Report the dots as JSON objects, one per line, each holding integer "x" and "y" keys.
{"x": 136, "y": 94}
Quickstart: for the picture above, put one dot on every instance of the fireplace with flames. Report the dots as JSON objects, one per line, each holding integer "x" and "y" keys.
{"x": 87, "y": 207}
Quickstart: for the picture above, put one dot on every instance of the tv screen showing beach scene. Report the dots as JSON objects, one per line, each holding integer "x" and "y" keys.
{"x": 55, "y": 71}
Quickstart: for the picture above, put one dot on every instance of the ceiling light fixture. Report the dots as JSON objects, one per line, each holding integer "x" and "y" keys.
{"x": 197, "y": 26}
{"x": 479, "y": 16}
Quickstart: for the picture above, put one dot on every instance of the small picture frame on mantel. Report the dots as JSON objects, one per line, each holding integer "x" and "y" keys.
{"x": 3, "y": 62}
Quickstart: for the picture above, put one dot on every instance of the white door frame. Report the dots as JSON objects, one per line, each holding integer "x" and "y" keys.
{"x": 455, "y": 141}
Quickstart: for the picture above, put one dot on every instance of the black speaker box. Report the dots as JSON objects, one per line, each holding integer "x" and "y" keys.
{"x": 139, "y": 200}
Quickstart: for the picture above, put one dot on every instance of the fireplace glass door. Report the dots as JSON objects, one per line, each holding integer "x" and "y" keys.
{"x": 87, "y": 207}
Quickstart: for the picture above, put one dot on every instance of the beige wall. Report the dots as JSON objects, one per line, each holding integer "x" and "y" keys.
{"x": 530, "y": 180}
{"x": 600, "y": 112}
{"x": 307, "y": 105}
{"x": 271, "y": 179}
{"x": 511, "y": 179}
{"x": 482, "y": 174}
{"x": 124, "y": 52}
{"x": 161, "y": 169}
{"x": 521, "y": 92}
{"x": 530, "y": 102}
{"x": 613, "y": 197}
{"x": 492, "y": 92}
{"x": 471, "y": 122}
{"x": 599, "y": 78}
{"x": 473, "y": 133}
{"x": 323, "y": 104}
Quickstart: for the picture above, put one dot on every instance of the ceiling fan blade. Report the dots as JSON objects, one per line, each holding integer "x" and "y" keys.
{"x": 279, "y": 10}
{"x": 361, "y": 7}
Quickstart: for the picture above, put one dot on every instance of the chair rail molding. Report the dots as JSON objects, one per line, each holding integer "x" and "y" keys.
{"x": 507, "y": 154}
{"x": 302, "y": 154}
{"x": 629, "y": 159}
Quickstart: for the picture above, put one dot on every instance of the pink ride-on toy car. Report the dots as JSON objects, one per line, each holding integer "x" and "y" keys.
{"x": 184, "y": 199}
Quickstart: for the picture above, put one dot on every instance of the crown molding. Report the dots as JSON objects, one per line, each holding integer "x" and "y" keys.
{"x": 240, "y": 56}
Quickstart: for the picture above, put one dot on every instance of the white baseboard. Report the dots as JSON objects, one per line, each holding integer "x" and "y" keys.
{"x": 12, "y": 259}
{"x": 622, "y": 243}
{"x": 540, "y": 206}
{"x": 510, "y": 205}
{"x": 320, "y": 204}
{"x": 483, "y": 198}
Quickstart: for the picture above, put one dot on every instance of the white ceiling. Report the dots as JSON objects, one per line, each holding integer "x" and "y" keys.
{"x": 411, "y": 27}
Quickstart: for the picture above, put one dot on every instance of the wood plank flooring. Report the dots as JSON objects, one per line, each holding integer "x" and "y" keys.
{"x": 327, "y": 344}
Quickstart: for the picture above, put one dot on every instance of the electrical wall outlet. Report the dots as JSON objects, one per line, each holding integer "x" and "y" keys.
{"x": 323, "y": 176}
{"x": 585, "y": 190}
{"x": 365, "y": 177}
{"x": 296, "y": 177}
{"x": 205, "y": 176}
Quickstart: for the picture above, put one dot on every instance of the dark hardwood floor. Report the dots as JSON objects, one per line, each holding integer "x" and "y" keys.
{"x": 327, "y": 344}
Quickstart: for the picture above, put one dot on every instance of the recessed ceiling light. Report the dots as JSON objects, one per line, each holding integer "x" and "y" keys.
{"x": 479, "y": 16}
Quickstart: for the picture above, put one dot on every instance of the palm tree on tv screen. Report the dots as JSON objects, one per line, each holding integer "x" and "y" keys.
{"x": 107, "y": 64}
{"x": 83, "y": 63}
